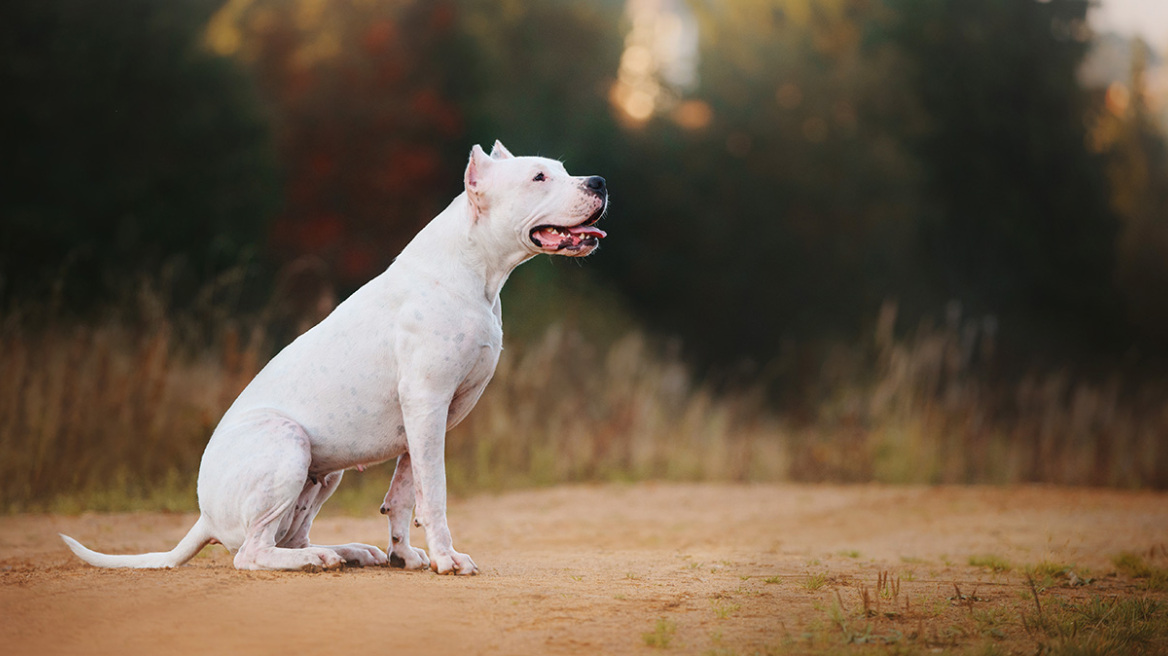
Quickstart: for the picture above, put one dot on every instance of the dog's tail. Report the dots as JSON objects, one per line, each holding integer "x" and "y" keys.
{"x": 197, "y": 538}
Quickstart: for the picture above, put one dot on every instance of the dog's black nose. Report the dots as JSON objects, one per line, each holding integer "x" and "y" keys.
{"x": 596, "y": 184}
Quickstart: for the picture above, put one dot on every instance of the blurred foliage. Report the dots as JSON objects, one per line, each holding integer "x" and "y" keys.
{"x": 791, "y": 213}
{"x": 126, "y": 147}
{"x": 1018, "y": 221}
{"x": 927, "y": 151}
{"x": 1137, "y": 168}
{"x": 365, "y": 125}
{"x": 826, "y": 155}
{"x": 374, "y": 103}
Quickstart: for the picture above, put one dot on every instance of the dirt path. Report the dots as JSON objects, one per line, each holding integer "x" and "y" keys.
{"x": 709, "y": 569}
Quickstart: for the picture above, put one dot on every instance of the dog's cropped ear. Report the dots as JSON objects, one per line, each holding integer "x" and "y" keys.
{"x": 499, "y": 151}
{"x": 475, "y": 181}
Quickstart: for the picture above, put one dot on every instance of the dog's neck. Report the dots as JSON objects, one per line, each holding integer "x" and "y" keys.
{"x": 476, "y": 259}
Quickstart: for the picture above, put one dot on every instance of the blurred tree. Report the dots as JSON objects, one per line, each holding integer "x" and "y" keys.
{"x": 1018, "y": 220}
{"x": 370, "y": 141}
{"x": 1137, "y": 167}
{"x": 125, "y": 145}
{"x": 823, "y": 157}
{"x": 774, "y": 201}
{"x": 376, "y": 106}
{"x": 536, "y": 76}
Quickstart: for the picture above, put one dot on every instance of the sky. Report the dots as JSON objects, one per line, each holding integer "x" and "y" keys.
{"x": 1147, "y": 18}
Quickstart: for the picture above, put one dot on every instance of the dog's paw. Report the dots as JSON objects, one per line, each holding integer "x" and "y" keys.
{"x": 409, "y": 558}
{"x": 361, "y": 555}
{"x": 320, "y": 559}
{"x": 454, "y": 563}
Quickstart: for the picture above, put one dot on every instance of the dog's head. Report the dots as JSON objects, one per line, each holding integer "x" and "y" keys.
{"x": 536, "y": 201}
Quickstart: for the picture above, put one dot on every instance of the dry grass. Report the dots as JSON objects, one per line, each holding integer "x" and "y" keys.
{"x": 934, "y": 407}
{"x": 564, "y": 410}
{"x": 114, "y": 414}
{"x": 111, "y": 415}
{"x": 1065, "y": 620}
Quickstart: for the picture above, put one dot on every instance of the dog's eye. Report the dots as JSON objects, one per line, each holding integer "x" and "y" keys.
{"x": 538, "y": 177}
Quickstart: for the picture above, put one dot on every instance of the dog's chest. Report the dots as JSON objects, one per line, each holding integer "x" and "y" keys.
{"x": 482, "y": 368}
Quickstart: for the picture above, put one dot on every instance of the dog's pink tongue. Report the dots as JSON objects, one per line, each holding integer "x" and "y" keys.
{"x": 585, "y": 232}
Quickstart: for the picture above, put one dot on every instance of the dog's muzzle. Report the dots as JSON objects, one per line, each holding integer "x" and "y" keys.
{"x": 582, "y": 238}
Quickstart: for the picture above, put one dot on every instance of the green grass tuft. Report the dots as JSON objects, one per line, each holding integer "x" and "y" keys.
{"x": 996, "y": 563}
{"x": 1154, "y": 578}
{"x": 816, "y": 581}
{"x": 1098, "y": 625}
{"x": 662, "y": 634}
{"x": 723, "y": 611}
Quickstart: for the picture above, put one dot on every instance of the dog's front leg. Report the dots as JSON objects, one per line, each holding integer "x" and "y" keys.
{"x": 398, "y": 507}
{"x": 425, "y": 421}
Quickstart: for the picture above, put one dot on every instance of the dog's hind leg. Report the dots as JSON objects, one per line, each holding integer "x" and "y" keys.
{"x": 398, "y": 507}
{"x": 254, "y": 473}
{"x": 312, "y": 497}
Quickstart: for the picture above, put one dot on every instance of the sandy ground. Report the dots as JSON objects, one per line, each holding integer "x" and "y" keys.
{"x": 710, "y": 569}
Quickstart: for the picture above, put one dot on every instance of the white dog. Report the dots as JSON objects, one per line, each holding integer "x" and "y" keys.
{"x": 384, "y": 376}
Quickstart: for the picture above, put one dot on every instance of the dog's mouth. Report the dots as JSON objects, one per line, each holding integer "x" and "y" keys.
{"x": 580, "y": 237}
